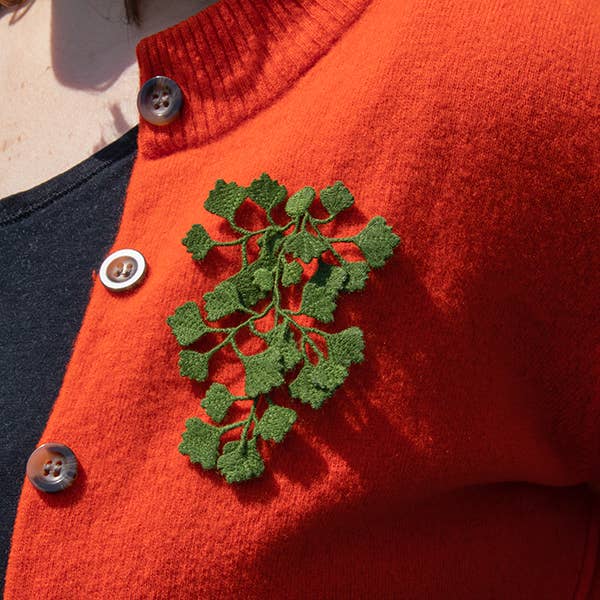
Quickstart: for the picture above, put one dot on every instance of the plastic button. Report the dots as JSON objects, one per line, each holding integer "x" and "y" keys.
{"x": 159, "y": 101}
{"x": 52, "y": 467}
{"x": 122, "y": 269}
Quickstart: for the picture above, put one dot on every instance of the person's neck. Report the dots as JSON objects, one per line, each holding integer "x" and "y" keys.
{"x": 73, "y": 76}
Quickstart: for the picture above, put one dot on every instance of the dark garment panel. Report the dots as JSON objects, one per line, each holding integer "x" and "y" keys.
{"x": 51, "y": 238}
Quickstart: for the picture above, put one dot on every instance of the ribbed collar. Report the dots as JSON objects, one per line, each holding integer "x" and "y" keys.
{"x": 233, "y": 59}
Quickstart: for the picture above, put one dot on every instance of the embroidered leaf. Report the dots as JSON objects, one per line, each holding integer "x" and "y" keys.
{"x": 317, "y": 302}
{"x": 357, "y": 276}
{"x": 315, "y": 383}
{"x": 187, "y": 324}
{"x": 263, "y": 372}
{"x": 329, "y": 276}
{"x": 281, "y": 338}
{"x": 248, "y": 290}
{"x": 336, "y": 198}
{"x": 225, "y": 199}
{"x": 193, "y": 364}
{"x": 319, "y": 296}
{"x": 305, "y": 389}
{"x": 328, "y": 375}
{"x": 201, "y": 442}
{"x": 267, "y": 192}
{"x": 304, "y": 246}
{"x": 222, "y": 301}
{"x": 346, "y": 346}
{"x": 299, "y": 202}
{"x": 263, "y": 278}
{"x": 270, "y": 244}
{"x": 240, "y": 462}
{"x": 292, "y": 273}
{"x": 289, "y": 340}
{"x": 217, "y": 402}
{"x": 276, "y": 422}
{"x": 377, "y": 242}
{"x": 198, "y": 242}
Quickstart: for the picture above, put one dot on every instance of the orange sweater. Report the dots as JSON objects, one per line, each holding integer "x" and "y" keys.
{"x": 454, "y": 462}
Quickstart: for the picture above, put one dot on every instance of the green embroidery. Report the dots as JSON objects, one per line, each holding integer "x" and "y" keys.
{"x": 311, "y": 362}
{"x": 218, "y": 401}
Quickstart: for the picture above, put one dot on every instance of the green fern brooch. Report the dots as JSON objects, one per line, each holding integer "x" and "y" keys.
{"x": 310, "y": 362}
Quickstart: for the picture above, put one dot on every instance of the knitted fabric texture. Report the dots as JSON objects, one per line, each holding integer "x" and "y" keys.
{"x": 454, "y": 461}
{"x": 301, "y": 238}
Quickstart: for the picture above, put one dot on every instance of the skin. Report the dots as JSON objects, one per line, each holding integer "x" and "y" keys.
{"x": 70, "y": 78}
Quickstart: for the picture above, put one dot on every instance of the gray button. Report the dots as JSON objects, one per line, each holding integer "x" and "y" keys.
{"x": 52, "y": 467}
{"x": 159, "y": 101}
{"x": 122, "y": 269}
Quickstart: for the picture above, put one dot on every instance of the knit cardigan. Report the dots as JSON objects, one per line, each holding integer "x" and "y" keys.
{"x": 456, "y": 459}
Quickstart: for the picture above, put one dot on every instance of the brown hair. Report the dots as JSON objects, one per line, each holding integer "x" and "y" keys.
{"x": 132, "y": 9}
